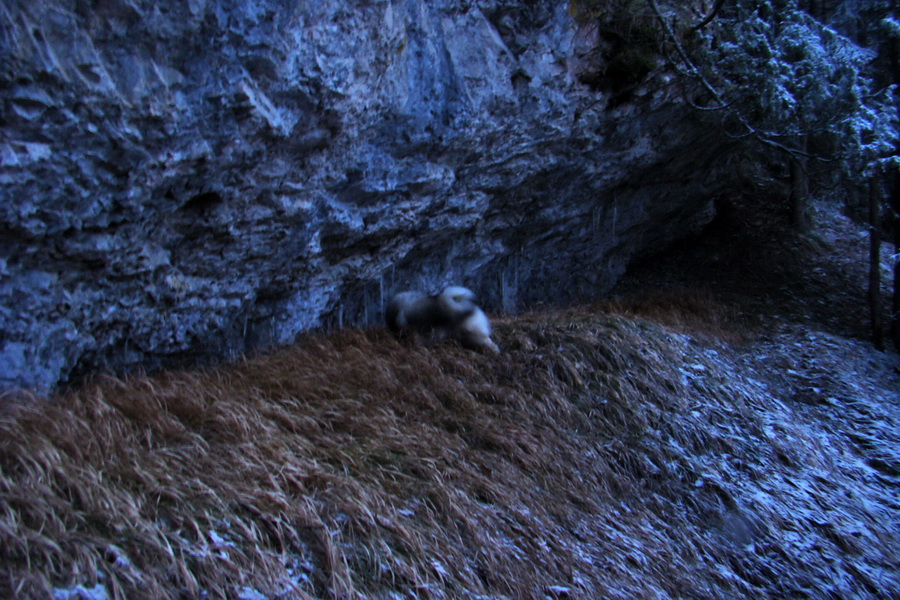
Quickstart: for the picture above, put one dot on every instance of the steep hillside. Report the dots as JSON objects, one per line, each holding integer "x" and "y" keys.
{"x": 602, "y": 455}
{"x": 184, "y": 182}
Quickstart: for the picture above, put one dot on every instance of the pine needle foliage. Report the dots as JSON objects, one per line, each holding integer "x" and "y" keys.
{"x": 762, "y": 70}
{"x": 779, "y": 76}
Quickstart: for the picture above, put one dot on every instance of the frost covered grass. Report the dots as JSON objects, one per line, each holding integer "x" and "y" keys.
{"x": 602, "y": 455}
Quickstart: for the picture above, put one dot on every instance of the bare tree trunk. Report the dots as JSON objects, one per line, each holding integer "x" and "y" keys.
{"x": 895, "y": 205}
{"x": 895, "y": 305}
{"x": 799, "y": 193}
{"x": 815, "y": 9}
{"x": 875, "y": 262}
{"x": 818, "y": 9}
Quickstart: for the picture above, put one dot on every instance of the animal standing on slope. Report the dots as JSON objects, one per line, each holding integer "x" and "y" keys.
{"x": 452, "y": 313}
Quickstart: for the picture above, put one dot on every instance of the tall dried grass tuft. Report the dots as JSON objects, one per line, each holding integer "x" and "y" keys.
{"x": 697, "y": 311}
{"x": 598, "y": 457}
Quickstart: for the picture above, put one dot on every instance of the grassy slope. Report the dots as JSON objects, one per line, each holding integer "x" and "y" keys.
{"x": 616, "y": 451}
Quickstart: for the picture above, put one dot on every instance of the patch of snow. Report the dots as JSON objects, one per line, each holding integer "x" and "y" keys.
{"x": 247, "y": 593}
{"x": 79, "y": 592}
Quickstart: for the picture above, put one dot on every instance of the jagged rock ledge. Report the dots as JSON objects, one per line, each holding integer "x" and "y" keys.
{"x": 188, "y": 181}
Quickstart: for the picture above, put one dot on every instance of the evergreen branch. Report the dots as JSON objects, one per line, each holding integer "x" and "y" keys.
{"x": 694, "y": 72}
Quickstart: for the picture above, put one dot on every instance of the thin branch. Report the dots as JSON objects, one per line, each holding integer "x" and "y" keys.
{"x": 712, "y": 15}
{"x": 693, "y": 71}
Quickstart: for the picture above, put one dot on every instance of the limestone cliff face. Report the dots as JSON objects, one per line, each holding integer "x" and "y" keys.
{"x": 183, "y": 181}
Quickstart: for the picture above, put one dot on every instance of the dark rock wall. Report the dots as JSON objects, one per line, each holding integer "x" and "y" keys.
{"x": 184, "y": 181}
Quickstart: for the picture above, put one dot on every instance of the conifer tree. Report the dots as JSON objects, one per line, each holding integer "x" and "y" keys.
{"x": 777, "y": 73}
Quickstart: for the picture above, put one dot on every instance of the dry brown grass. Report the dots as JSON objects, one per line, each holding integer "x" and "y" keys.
{"x": 695, "y": 310}
{"x": 598, "y": 457}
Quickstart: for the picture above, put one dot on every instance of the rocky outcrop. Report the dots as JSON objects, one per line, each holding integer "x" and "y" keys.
{"x": 184, "y": 181}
